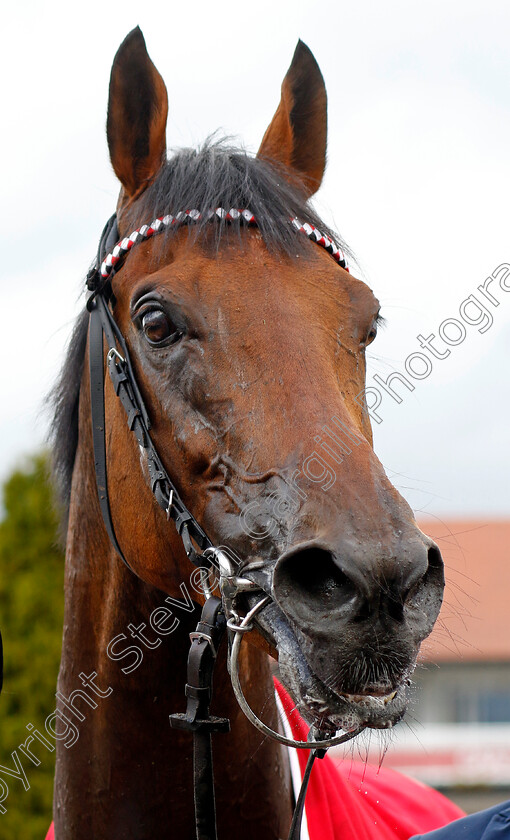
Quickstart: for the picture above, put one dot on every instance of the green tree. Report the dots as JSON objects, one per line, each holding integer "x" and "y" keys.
{"x": 31, "y": 615}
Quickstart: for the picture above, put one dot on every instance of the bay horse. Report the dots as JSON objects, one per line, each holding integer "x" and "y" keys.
{"x": 247, "y": 342}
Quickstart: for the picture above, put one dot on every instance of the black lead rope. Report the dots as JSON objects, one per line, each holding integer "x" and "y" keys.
{"x": 297, "y": 818}
{"x": 211, "y": 627}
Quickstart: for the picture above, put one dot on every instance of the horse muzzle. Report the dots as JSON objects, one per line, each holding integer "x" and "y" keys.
{"x": 348, "y": 633}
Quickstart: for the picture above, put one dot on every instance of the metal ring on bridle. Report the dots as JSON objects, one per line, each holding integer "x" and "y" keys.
{"x": 250, "y": 714}
{"x": 207, "y": 586}
{"x": 113, "y": 352}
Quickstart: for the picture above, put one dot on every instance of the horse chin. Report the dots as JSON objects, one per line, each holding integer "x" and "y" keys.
{"x": 326, "y": 708}
{"x": 331, "y": 711}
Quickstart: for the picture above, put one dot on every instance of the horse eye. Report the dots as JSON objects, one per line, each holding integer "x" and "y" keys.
{"x": 157, "y": 328}
{"x": 371, "y": 335}
{"x": 373, "y": 330}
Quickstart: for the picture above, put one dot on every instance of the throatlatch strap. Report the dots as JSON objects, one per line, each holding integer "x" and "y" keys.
{"x": 96, "y": 362}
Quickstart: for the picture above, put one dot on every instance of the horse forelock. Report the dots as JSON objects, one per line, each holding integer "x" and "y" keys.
{"x": 220, "y": 175}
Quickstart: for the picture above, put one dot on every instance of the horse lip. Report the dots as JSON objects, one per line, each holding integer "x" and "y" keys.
{"x": 367, "y": 709}
{"x": 375, "y": 708}
{"x": 368, "y": 697}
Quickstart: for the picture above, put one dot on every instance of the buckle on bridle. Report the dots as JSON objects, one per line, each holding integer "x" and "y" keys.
{"x": 198, "y": 634}
{"x": 170, "y": 503}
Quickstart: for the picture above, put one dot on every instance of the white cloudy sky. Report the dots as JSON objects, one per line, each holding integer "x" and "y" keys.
{"x": 418, "y": 184}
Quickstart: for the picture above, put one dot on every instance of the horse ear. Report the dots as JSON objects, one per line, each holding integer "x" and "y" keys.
{"x": 297, "y": 134}
{"x": 137, "y": 112}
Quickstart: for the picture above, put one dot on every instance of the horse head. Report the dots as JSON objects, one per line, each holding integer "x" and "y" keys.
{"x": 248, "y": 343}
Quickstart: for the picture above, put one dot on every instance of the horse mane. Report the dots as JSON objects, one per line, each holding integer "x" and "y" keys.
{"x": 215, "y": 175}
{"x": 64, "y": 400}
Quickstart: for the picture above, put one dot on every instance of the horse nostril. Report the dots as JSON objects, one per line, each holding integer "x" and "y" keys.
{"x": 311, "y": 575}
{"x": 436, "y": 564}
{"x": 433, "y": 577}
{"x": 419, "y": 587}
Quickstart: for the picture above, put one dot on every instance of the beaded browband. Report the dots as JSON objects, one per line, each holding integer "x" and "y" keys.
{"x": 186, "y": 216}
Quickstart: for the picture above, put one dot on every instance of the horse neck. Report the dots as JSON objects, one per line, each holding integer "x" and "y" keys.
{"x": 121, "y": 771}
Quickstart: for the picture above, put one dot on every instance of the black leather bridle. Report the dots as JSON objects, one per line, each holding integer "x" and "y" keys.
{"x": 217, "y": 614}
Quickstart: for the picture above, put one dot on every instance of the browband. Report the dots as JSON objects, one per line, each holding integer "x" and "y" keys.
{"x": 111, "y": 257}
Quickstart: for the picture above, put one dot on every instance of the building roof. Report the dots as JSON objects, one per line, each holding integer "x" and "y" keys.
{"x": 474, "y": 623}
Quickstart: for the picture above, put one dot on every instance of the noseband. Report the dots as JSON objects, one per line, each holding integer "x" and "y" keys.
{"x": 219, "y": 614}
